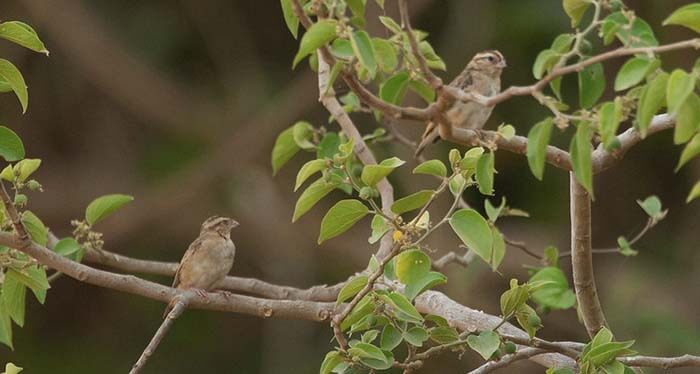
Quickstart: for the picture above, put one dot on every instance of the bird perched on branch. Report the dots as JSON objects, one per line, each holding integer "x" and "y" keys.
{"x": 206, "y": 262}
{"x": 481, "y": 76}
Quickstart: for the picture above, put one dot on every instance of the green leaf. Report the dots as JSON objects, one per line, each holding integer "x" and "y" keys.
{"x": 26, "y": 167}
{"x": 680, "y": 86}
{"x": 614, "y": 367}
{"x": 652, "y": 99}
{"x": 507, "y": 132}
{"x": 10, "y": 368}
{"x": 390, "y": 24}
{"x": 34, "y": 278}
{"x": 289, "y": 17}
{"x": 330, "y": 362}
{"x": 10, "y": 74}
{"x": 411, "y": 266}
{"x": 687, "y": 120}
{"x": 372, "y": 356}
{"x": 528, "y": 319}
{"x": 302, "y": 133}
{"x": 691, "y": 150}
{"x": 575, "y": 9}
{"x": 403, "y": 308}
{"x": 416, "y": 336}
{"x": 5, "y": 326}
{"x": 350, "y": 289}
{"x": 386, "y": 54}
{"x": 312, "y": 195}
{"x": 474, "y": 232}
{"x": 687, "y": 16}
{"x": 431, "y": 167}
{"x": 14, "y": 295}
{"x": 341, "y": 217}
{"x": 393, "y": 89}
{"x": 391, "y": 338}
{"x": 11, "y": 147}
{"x": 372, "y": 174}
{"x": 423, "y": 90}
{"x": 498, "y": 251}
{"x": 471, "y": 158}
{"x": 562, "y": 43}
{"x": 363, "y": 308}
{"x": 537, "y": 141}
{"x": 555, "y": 292}
{"x": 285, "y": 148}
{"x": 485, "y": 344}
{"x": 341, "y": 48}
{"x": 364, "y": 51}
{"x": 316, "y": 36}
{"x": 22, "y": 34}
{"x": 379, "y": 228}
{"x": 694, "y": 193}
{"x": 426, "y": 282}
{"x": 66, "y": 247}
{"x": 310, "y": 168}
{"x": 609, "y": 120}
{"x": 514, "y": 298}
{"x": 652, "y": 207}
{"x": 560, "y": 371}
{"x": 591, "y": 85}
{"x": 444, "y": 335}
{"x": 35, "y": 228}
{"x": 412, "y": 202}
{"x": 492, "y": 212}
{"x": 104, "y": 206}
{"x": 634, "y": 71}
{"x": 544, "y": 62}
{"x": 433, "y": 60}
{"x": 485, "y": 170}
{"x": 581, "y": 150}
{"x": 625, "y": 247}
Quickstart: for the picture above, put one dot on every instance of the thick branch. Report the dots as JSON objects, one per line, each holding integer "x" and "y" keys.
{"x": 582, "y": 258}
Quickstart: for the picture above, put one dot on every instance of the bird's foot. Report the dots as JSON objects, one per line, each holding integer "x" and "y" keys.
{"x": 225, "y": 294}
{"x": 201, "y": 292}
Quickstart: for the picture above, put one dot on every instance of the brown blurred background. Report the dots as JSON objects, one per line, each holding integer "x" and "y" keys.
{"x": 179, "y": 102}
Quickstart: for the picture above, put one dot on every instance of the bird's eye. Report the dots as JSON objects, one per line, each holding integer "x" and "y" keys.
{"x": 491, "y": 58}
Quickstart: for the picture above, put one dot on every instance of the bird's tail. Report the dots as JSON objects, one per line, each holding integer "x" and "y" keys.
{"x": 430, "y": 136}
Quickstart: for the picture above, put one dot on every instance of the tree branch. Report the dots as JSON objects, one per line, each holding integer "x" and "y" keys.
{"x": 582, "y": 258}
{"x": 507, "y": 360}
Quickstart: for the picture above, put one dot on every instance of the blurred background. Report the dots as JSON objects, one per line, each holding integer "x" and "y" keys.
{"x": 178, "y": 103}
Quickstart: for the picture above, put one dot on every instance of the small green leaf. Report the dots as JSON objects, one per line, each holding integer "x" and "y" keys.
{"x": 485, "y": 170}
{"x": 393, "y": 89}
{"x": 652, "y": 207}
{"x": 385, "y": 52}
{"x": 537, "y": 142}
{"x": 104, "y": 206}
{"x": 433, "y": 60}
{"x": 310, "y": 168}
{"x": 316, "y": 36}
{"x": 372, "y": 174}
{"x": 691, "y": 150}
{"x": 350, "y": 289}
{"x": 26, "y": 168}
{"x": 341, "y": 48}
{"x": 341, "y": 217}
{"x": 66, "y": 247}
{"x": 432, "y": 167}
{"x": 403, "y": 308}
{"x": 474, "y": 232}
{"x": 10, "y": 368}
{"x": 411, "y": 266}
{"x": 492, "y": 212}
{"x": 302, "y": 133}
{"x": 390, "y": 24}
{"x": 330, "y": 362}
{"x": 560, "y": 371}
{"x": 364, "y": 307}
{"x": 507, "y": 132}
{"x": 285, "y": 148}
{"x": 14, "y": 296}
{"x": 528, "y": 319}
{"x": 35, "y": 228}
{"x": 425, "y": 282}
{"x": 485, "y": 344}
{"x": 364, "y": 51}
{"x": 634, "y": 71}
{"x": 11, "y": 147}
{"x": 555, "y": 292}
{"x": 34, "y": 278}
{"x": 289, "y": 17}
{"x": 544, "y": 62}
{"x": 687, "y": 16}
{"x": 379, "y": 228}
{"x": 412, "y": 202}
{"x": 687, "y": 120}
{"x": 22, "y": 34}
{"x": 652, "y": 99}
{"x": 444, "y": 334}
{"x": 625, "y": 247}
{"x": 312, "y": 195}
{"x": 591, "y": 84}
{"x": 471, "y": 158}
{"x": 575, "y": 10}
{"x": 391, "y": 338}
{"x": 10, "y": 74}
{"x": 423, "y": 90}
{"x": 416, "y": 336}
{"x": 372, "y": 356}
{"x": 609, "y": 121}
{"x": 562, "y": 43}
{"x": 581, "y": 150}
{"x": 694, "y": 193}
{"x": 498, "y": 251}
{"x": 515, "y": 297}
{"x": 680, "y": 86}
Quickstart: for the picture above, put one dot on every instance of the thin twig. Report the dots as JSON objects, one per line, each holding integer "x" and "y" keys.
{"x": 508, "y": 360}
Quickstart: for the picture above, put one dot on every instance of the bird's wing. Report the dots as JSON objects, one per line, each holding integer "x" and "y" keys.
{"x": 463, "y": 80}
{"x": 186, "y": 257}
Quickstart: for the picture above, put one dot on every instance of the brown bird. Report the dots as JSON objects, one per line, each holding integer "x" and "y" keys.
{"x": 208, "y": 259}
{"x": 482, "y": 76}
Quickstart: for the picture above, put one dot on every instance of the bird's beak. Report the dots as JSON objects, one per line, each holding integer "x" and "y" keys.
{"x": 234, "y": 224}
{"x": 502, "y": 64}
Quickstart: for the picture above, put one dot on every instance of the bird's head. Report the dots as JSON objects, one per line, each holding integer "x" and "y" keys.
{"x": 221, "y": 225}
{"x": 488, "y": 62}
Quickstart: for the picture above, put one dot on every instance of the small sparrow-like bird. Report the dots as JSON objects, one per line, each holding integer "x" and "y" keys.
{"x": 482, "y": 76}
{"x": 208, "y": 259}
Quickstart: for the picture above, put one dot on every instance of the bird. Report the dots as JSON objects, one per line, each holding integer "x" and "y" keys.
{"x": 205, "y": 263}
{"x": 482, "y": 76}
